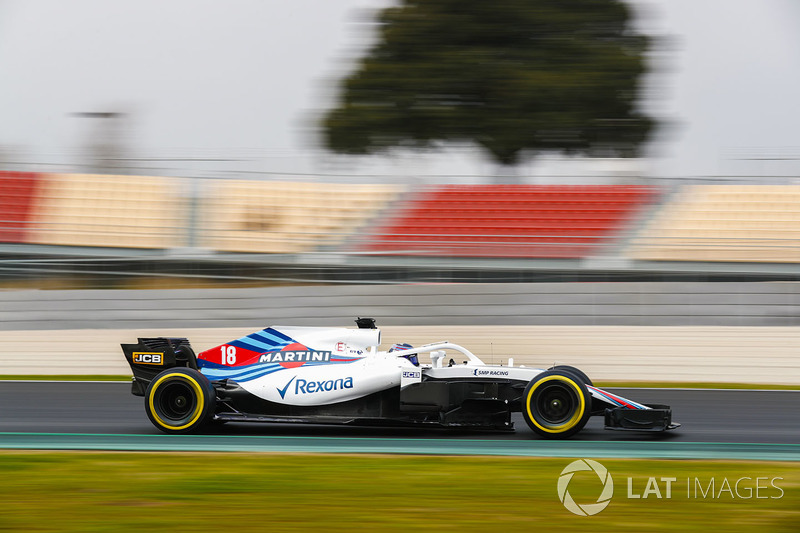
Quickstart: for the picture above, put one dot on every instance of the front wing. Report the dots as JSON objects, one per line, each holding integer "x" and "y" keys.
{"x": 655, "y": 418}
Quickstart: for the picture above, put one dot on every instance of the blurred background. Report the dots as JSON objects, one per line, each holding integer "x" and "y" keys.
{"x": 288, "y": 155}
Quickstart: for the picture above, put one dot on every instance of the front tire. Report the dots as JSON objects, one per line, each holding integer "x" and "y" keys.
{"x": 556, "y": 404}
{"x": 572, "y": 370}
{"x": 179, "y": 400}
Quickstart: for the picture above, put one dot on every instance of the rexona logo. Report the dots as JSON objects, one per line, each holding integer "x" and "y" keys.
{"x": 586, "y": 509}
{"x": 294, "y": 357}
{"x": 302, "y": 386}
{"x": 148, "y": 358}
{"x": 484, "y": 372}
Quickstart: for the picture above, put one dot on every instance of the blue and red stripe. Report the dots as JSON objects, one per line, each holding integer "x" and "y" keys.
{"x": 617, "y": 400}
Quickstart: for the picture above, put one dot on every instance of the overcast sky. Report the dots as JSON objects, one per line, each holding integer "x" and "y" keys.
{"x": 246, "y": 79}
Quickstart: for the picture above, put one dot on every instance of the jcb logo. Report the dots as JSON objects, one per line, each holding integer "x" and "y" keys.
{"x": 147, "y": 358}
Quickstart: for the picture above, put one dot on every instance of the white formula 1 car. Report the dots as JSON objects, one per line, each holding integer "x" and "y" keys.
{"x": 339, "y": 376}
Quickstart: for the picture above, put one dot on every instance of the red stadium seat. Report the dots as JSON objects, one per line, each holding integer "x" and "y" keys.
{"x": 545, "y": 221}
{"x": 17, "y": 191}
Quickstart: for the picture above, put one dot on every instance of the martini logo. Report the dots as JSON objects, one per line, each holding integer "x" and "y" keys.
{"x": 586, "y": 509}
{"x": 295, "y": 357}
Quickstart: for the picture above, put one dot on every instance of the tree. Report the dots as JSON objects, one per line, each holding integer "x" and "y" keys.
{"x": 517, "y": 77}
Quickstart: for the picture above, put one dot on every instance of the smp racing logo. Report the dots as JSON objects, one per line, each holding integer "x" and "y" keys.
{"x": 484, "y": 372}
{"x": 302, "y": 386}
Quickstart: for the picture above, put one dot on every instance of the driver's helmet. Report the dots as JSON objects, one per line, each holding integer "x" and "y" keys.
{"x": 405, "y": 346}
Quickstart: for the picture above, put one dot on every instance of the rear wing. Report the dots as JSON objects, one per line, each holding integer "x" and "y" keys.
{"x": 150, "y": 356}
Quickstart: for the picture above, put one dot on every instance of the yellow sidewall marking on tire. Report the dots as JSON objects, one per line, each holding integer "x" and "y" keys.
{"x": 200, "y": 401}
{"x": 569, "y": 424}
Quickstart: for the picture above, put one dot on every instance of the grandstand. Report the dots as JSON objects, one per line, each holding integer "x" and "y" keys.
{"x": 532, "y": 221}
{"x": 732, "y": 223}
{"x": 107, "y": 211}
{"x": 286, "y": 217}
{"x": 699, "y": 223}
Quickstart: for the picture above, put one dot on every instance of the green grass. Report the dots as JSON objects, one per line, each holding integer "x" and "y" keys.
{"x": 92, "y": 492}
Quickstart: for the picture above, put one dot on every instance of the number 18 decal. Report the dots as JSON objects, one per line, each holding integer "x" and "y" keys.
{"x": 228, "y": 355}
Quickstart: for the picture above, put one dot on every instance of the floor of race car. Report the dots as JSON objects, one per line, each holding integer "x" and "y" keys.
{"x": 109, "y": 408}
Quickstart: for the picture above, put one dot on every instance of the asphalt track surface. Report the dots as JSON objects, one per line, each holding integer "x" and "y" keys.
{"x": 108, "y": 408}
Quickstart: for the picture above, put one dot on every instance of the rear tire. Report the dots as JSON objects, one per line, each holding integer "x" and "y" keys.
{"x": 556, "y": 404}
{"x": 179, "y": 400}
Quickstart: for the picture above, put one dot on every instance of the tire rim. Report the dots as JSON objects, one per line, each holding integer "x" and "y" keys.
{"x": 175, "y": 402}
{"x": 556, "y": 404}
